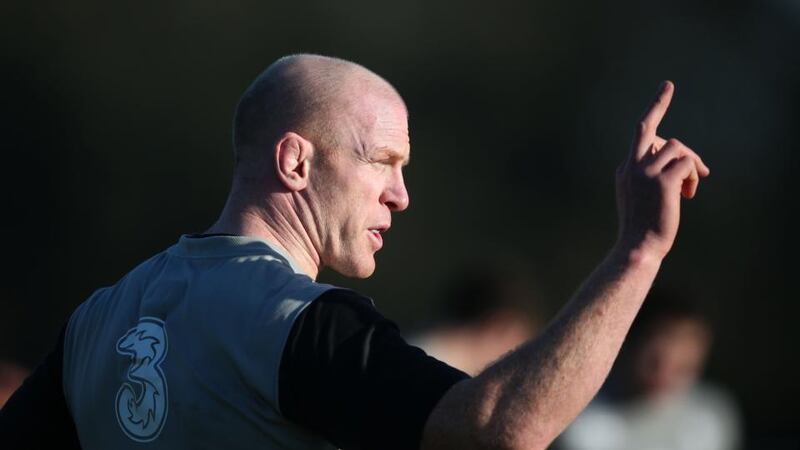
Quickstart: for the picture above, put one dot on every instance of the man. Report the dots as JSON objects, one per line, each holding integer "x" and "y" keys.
{"x": 653, "y": 397}
{"x": 11, "y": 377}
{"x": 225, "y": 340}
{"x": 486, "y": 312}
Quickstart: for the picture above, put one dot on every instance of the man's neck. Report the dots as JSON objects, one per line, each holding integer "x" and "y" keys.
{"x": 275, "y": 225}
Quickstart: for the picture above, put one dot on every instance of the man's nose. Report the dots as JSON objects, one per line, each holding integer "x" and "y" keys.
{"x": 395, "y": 196}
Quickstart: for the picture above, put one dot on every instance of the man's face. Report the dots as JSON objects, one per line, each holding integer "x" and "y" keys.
{"x": 671, "y": 357}
{"x": 359, "y": 184}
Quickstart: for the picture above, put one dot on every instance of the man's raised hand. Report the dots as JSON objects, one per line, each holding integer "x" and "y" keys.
{"x": 651, "y": 181}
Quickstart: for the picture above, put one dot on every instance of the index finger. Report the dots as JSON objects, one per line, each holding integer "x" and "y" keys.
{"x": 646, "y": 131}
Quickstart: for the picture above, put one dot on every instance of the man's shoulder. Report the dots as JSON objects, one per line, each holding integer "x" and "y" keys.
{"x": 342, "y": 309}
{"x": 342, "y": 295}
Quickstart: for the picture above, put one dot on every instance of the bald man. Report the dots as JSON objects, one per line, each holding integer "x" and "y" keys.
{"x": 225, "y": 340}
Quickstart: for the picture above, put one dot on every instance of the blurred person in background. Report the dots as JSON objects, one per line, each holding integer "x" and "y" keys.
{"x": 654, "y": 398}
{"x": 11, "y": 377}
{"x": 485, "y": 313}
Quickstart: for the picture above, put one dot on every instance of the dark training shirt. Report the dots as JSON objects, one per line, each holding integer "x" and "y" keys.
{"x": 345, "y": 373}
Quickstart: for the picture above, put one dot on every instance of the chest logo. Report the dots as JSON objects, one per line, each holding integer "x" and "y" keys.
{"x": 142, "y": 400}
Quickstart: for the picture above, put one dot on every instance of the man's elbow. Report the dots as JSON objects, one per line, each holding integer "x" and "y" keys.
{"x": 467, "y": 418}
{"x": 488, "y": 438}
{"x": 510, "y": 432}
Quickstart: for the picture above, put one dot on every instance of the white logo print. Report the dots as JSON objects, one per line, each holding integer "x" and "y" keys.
{"x": 142, "y": 403}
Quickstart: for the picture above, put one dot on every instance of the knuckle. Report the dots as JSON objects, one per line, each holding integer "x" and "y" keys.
{"x": 651, "y": 171}
{"x": 679, "y": 165}
{"x": 667, "y": 152}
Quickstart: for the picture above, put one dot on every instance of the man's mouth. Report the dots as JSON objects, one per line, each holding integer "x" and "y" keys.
{"x": 376, "y": 234}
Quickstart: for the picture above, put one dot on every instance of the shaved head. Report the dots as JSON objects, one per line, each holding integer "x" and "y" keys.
{"x": 305, "y": 94}
{"x": 320, "y": 147}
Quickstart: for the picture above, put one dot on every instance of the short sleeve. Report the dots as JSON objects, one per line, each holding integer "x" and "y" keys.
{"x": 347, "y": 374}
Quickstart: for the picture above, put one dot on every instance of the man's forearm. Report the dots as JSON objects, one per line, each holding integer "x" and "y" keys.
{"x": 527, "y": 398}
{"x": 524, "y": 400}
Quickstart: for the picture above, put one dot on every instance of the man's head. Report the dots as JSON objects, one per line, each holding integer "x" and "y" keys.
{"x": 667, "y": 345}
{"x": 327, "y": 139}
{"x": 487, "y": 311}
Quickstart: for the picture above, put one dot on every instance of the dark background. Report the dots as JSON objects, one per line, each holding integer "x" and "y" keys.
{"x": 115, "y": 125}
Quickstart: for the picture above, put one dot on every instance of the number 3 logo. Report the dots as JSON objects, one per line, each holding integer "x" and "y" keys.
{"x": 142, "y": 403}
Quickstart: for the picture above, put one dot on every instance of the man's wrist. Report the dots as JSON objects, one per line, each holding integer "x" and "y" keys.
{"x": 636, "y": 256}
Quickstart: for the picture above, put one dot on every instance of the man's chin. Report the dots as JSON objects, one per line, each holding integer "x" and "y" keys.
{"x": 364, "y": 272}
{"x": 357, "y": 269}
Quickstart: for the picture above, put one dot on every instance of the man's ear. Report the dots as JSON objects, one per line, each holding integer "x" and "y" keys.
{"x": 293, "y": 160}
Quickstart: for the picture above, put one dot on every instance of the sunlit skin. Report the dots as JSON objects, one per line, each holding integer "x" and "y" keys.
{"x": 326, "y": 200}
{"x": 354, "y": 191}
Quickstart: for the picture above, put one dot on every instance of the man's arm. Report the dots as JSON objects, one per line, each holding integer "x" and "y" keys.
{"x": 527, "y": 398}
